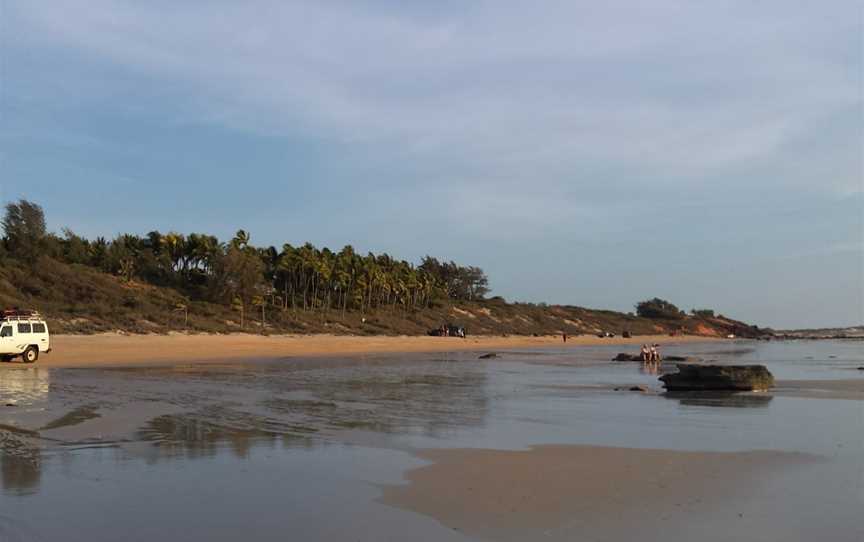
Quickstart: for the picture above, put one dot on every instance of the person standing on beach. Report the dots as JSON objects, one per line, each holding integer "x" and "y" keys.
{"x": 564, "y": 336}
{"x": 645, "y": 354}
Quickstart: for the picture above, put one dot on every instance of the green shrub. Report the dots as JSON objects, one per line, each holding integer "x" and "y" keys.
{"x": 658, "y": 308}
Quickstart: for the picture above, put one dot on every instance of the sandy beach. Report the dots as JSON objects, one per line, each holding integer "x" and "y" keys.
{"x": 579, "y": 492}
{"x": 139, "y": 350}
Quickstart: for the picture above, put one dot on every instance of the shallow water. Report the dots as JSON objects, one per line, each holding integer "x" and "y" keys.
{"x": 298, "y": 450}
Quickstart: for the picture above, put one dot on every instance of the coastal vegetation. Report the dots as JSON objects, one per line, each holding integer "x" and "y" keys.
{"x": 658, "y": 308}
{"x": 170, "y": 281}
{"x": 202, "y": 267}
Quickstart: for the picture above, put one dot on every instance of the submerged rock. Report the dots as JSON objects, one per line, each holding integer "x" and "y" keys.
{"x": 689, "y": 359}
{"x": 632, "y": 388}
{"x": 490, "y": 355}
{"x": 722, "y": 398}
{"x": 627, "y": 357}
{"x": 718, "y": 377}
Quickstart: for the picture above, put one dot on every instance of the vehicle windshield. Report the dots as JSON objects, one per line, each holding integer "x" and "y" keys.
{"x": 6, "y": 331}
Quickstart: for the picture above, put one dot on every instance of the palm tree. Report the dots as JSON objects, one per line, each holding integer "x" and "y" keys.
{"x": 154, "y": 242}
{"x": 175, "y": 245}
{"x": 288, "y": 269}
{"x": 241, "y": 239}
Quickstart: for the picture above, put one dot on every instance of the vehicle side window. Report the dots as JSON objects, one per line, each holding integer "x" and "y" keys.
{"x": 23, "y": 328}
{"x": 38, "y": 328}
{"x": 6, "y": 331}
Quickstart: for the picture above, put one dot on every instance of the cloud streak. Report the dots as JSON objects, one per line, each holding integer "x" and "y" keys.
{"x": 673, "y": 89}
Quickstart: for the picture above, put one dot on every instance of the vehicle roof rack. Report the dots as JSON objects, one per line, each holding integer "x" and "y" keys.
{"x": 20, "y": 314}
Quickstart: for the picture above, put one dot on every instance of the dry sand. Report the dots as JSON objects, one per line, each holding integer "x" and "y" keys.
{"x": 580, "y": 492}
{"x": 129, "y": 350}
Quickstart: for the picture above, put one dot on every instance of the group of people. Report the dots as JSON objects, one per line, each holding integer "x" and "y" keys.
{"x": 650, "y": 353}
{"x": 448, "y": 331}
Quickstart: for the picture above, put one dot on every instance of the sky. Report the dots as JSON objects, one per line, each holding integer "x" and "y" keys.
{"x": 589, "y": 153}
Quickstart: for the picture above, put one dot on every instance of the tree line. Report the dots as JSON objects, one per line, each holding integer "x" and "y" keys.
{"x": 298, "y": 278}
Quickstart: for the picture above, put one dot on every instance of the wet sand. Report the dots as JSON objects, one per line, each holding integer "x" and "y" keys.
{"x": 582, "y": 492}
{"x": 850, "y": 389}
{"x": 153, "y": 350}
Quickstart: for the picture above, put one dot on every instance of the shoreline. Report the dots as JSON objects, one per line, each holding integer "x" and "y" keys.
{"x": 113, "y": 349}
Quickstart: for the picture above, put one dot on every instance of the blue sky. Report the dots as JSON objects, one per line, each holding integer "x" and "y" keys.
{"x": 580, "y": 152}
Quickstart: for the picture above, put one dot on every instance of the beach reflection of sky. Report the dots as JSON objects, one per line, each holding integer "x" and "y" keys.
{"x": 284, "y": 443}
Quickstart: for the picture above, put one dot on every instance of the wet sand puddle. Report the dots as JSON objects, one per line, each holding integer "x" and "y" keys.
{"x": 320, "y": 436}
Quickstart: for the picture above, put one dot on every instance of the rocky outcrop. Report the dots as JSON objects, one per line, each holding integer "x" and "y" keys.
{"x": 490, "y": 355}
{"x": 718, "y": 377}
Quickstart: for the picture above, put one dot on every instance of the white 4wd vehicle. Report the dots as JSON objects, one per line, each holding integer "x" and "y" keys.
{"x": 23, "y": 334}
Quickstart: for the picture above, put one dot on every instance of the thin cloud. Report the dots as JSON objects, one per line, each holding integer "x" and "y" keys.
{"x": 676, "y": 90}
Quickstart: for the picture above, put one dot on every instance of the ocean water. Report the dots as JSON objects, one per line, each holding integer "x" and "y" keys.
{"x": 298, "y": 450}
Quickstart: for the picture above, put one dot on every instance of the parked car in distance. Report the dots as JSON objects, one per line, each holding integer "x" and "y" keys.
{"x": 24, "y": 335}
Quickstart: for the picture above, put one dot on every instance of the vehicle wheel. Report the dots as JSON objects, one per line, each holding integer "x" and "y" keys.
{"x": 30, "y": 355}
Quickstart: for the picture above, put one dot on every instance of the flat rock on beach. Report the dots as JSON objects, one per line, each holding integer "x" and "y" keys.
{"x": 691, "y": 377}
